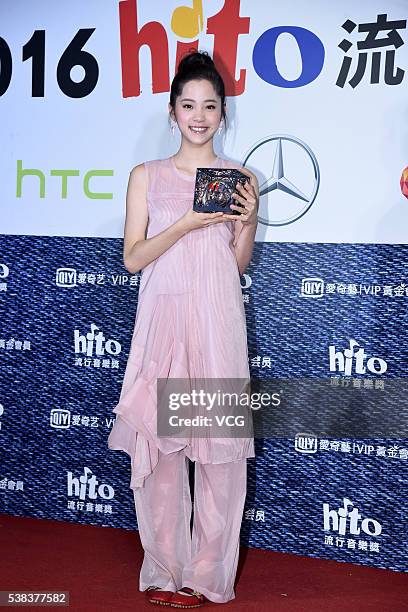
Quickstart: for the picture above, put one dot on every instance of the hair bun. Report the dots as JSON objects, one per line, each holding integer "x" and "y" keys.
{"x": 194, "y": 58}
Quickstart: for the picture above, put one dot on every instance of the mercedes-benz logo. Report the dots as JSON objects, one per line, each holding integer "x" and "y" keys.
{"x": 290, "y": 201}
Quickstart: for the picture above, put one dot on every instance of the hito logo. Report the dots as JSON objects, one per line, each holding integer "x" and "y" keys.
{"x": 312, "y": 287}
{"x": 95, "y": 343}
{"x": 350, "y": 360}
{"x": 346, "y": 519}
{"x": 60, "y": 418}
{"x": 305, "y": 443}
{"x": 87, "y": 486}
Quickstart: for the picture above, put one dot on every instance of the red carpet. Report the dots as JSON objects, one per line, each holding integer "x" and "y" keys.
{"x": 100, "y": 566}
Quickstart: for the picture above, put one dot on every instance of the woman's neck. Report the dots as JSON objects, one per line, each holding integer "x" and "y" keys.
{"x": 191, "y": 158}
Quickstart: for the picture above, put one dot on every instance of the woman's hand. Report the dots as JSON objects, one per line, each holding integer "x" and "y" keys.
{"x": 248, "y": 196}
{"x": 193, "y": 220}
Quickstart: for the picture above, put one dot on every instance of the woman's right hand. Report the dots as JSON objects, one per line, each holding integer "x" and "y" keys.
{"x": 194, "y": 220}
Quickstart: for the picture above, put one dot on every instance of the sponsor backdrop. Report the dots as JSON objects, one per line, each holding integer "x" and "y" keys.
{"x": 317, "y": 108}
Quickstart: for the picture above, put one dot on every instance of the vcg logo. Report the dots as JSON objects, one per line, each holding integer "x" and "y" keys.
{"x": 312, "y": 287}
{"x": 60, "y": 418}
{"x": 346, "y": 519}
{"x": 305, "y": 443}
{"x": 349, "y": 361}
{"x": 95, "y": 343}
{"x": 87, "y": 486}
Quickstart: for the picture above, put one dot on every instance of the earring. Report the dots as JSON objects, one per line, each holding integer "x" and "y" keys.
{"x": 220, "y": 128}
{"x": 173, "y": 127}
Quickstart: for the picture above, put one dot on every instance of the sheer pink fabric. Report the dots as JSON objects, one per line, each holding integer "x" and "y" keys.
{"x": 207, "y": 562}
{"x": 190, "y": 323}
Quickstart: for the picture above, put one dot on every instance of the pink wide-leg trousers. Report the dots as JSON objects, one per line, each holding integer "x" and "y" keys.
{"x": 206, "y": 561}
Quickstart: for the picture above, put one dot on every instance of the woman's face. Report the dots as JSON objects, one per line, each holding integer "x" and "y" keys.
{"x": 198, "y": 111}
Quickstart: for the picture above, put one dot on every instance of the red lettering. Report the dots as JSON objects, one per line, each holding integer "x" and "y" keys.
{"x": 152, "y": 34}
{"x": 227, "y": 25}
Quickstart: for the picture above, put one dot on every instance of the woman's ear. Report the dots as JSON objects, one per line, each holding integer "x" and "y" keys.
{"x": 171, "y": 112}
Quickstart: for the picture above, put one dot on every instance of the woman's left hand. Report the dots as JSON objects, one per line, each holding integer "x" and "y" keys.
{"x": 248, "y": 196}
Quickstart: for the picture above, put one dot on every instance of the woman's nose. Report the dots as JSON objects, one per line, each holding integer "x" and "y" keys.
{"x": 199, "y": 115}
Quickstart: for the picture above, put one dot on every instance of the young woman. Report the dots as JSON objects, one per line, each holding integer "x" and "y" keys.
{"x": 190, "y": 323}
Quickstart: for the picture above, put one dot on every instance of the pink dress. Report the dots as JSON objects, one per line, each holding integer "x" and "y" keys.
{"x": 190, "y": 323}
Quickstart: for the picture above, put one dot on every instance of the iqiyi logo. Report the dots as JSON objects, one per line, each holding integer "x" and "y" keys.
{"x": 66, "y": 277}
{"x": 60, "y": 418}
{"x": 63, "y": 175}
{"x": 4, "y": 271}
{"x": 88, "y": 487}
{"x": 312, "y": 287}
{"x": 347, "y": 519}
{"x": 305, "y": 443}
{"x": 247, "y": 281}
{"x": 95, "y": 343}
{"x": 351, "y": 360}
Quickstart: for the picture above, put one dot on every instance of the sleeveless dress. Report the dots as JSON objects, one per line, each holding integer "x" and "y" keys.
{"x": 190, "y": 323}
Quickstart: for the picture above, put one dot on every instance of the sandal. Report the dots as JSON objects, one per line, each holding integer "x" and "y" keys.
{"x": 195, "y": 599}
{"x": 156, "y": 595}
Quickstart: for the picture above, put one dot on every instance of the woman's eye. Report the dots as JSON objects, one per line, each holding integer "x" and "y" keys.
{"x": 210, "y": 106}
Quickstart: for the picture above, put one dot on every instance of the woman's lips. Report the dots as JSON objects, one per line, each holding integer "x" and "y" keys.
{"x": 198, "y": 130}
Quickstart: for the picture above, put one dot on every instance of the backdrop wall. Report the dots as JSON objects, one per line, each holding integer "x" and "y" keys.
{"x": 317, "y": 108}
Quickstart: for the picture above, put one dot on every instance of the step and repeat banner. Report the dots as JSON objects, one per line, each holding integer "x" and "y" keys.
{"x": 317, "y": 108}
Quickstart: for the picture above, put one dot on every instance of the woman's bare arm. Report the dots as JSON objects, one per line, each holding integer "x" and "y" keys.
{"x": 244, "y": 234}
{"x": 139, "y": 251}
{"x": 244, "y": 246}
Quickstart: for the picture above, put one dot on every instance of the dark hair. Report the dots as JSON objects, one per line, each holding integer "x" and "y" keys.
{"x": 197, "y": 65}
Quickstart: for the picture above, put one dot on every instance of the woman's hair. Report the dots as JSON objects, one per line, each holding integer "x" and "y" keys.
{"x": 197, "y": 65}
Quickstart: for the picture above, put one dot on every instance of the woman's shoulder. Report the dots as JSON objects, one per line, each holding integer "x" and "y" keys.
{"x": 147, "y": 172}
{"x": 147, "y": 164}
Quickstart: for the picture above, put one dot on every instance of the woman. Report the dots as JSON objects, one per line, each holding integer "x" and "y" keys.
{"x": 190, "y": 323}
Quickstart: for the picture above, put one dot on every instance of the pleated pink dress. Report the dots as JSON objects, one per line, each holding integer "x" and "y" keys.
{"x": 190, "y": 323}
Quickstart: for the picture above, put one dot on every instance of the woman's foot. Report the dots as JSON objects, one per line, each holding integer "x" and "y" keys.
{"x": 157, "y": 595}
{"x": 187, "y": 598}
